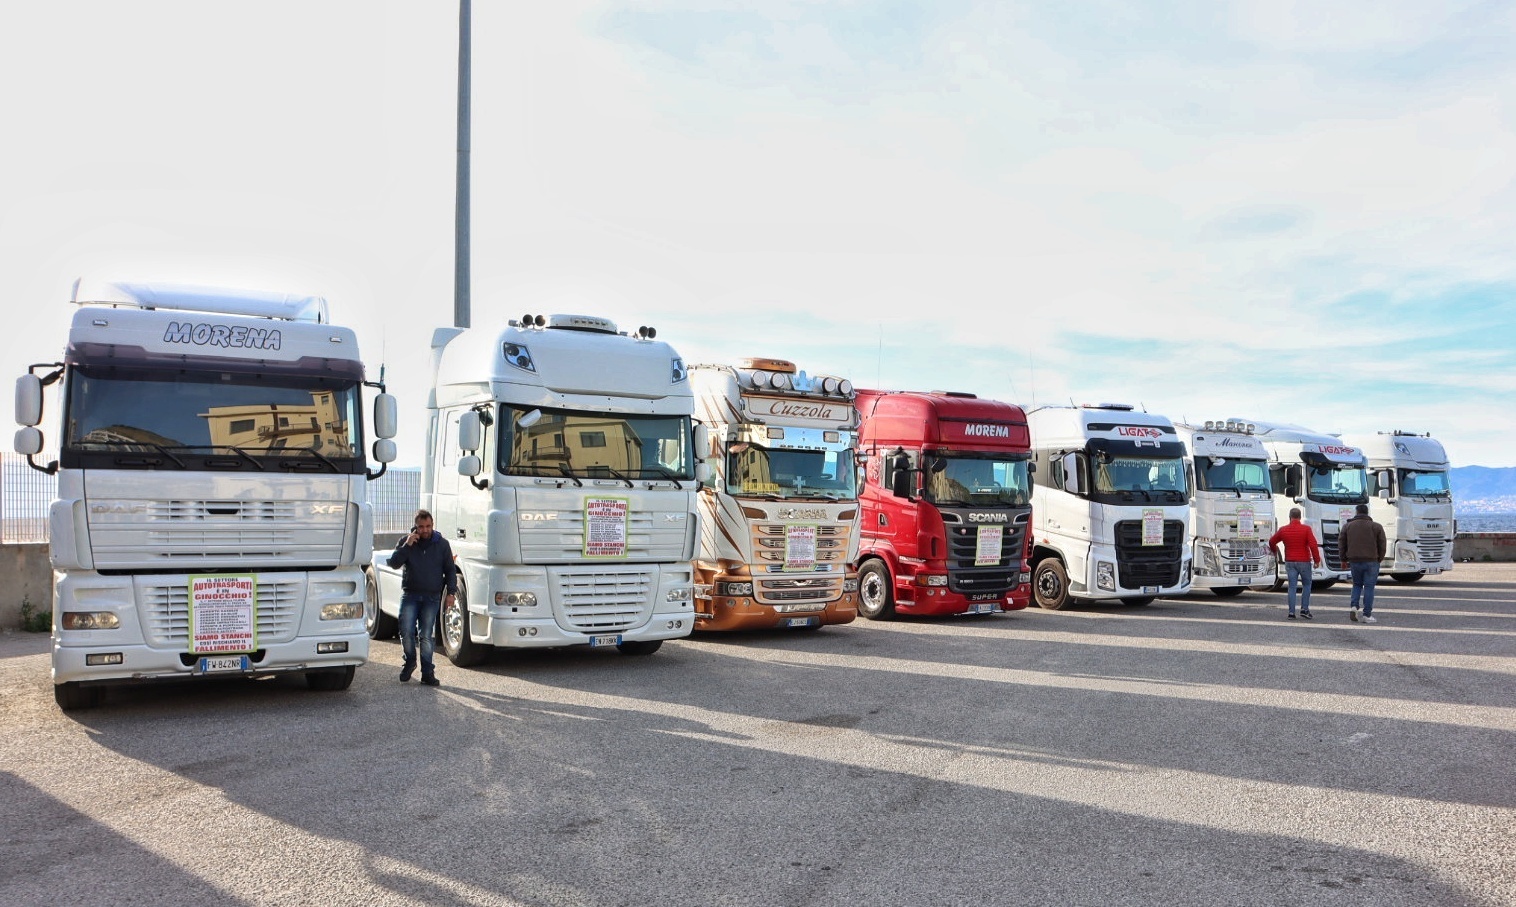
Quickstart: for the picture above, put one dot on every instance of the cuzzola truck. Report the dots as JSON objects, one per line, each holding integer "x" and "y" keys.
{"x": 211, "y": 517}
{"x": 1410, "y": 497}
{"x": 561, "y": 466}
{"x": 1111, "y": 506}
{"x": 1231, "y": 507}
{"x": 779, "y": 512}
{"x": 946, "y": 504}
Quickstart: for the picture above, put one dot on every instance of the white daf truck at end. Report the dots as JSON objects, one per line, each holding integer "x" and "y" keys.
{"x": 1323, "y": 476}
{"x": 1231, "y": 507}
{"x": 561, "y": 465}
{"x": 211, "y": 517}
{"x": 1411, "y": 499}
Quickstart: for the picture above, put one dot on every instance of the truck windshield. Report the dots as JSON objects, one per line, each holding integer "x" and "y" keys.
{"x": 1129, "y": 478}
{"x": 776, "y": 471}
{"x": 151, "y": 419}
{"x": 1338, "y": 485}
{"x": 977, "y": 481}
{"x": 1424, "y": 484}
{"x": 593, "y": 445}
{"x": 1231, "y": 475}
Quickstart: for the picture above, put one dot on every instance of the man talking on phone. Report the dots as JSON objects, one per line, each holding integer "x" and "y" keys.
{"x": 429, "y": 571}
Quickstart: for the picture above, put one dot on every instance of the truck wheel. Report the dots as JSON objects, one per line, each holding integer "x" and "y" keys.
{"x": 378, "y": 624}
{"x": 639, "y": 647}
{"x": 330, "y": 680}
{"x": 461, "y": 650}
{"x": 1406, "y": 577}
{"x": 1229, "y": 591}
{"x": 876, "y": 592}
{"x": 1050, "y": 585}
{"x": 73, "y": 696}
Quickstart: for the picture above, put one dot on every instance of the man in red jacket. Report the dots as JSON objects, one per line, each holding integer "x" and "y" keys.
{"x": 1300, "y": 552}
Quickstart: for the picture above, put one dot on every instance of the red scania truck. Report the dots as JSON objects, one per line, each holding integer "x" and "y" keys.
{"x": 946, "y": 504}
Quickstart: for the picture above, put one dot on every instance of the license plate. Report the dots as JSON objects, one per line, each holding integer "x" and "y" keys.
{"x": 1150, "y": 590}
{"x": 1244, "y": 580}
{"x": 602, "y": 642}
{"x": 217, "y": 664}
{"x": 798, "y": 621}
{"x": 1433, "y": 571}
{"x": 985, "y": 608}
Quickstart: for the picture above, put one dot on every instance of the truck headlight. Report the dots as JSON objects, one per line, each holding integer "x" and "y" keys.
{"x": 734, "y": 589}
{"x": 1105, "y": 576}
{"x": 681, "y": 594}
{"x": 342, "y": 611}
{"x": 1406, "y": 553}
{"x": 90, "y": 620}
{"x": 516, "y": 599}
{"x": 850, "y": 585}
{"x": 1208, "y": 564}
{"x": 931, "y": 579}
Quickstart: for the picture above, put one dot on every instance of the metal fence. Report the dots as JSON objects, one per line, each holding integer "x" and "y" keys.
{"x": 26, "y": 493}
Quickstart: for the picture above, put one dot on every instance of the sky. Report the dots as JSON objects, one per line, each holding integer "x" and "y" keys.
{"x": 1280, "y": 211}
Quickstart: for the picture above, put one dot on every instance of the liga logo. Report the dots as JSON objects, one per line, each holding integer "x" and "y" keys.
{"x": 1139, "y": 431}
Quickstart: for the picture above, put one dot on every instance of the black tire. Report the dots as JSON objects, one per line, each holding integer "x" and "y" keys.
{"x": 72, "y": 697}
{"x": 330, "y": 680}
{"x": 876, "y": 592}
{"x": 639, "y": 647}
{"x": 1228, "y": 591}
{"x": 1139, "y": 601}
{"x": 378, "y": 624}
{"x": 461, "y": 651}
{"x": 1406, "y": 577}
{"x": 1050, "y": 585}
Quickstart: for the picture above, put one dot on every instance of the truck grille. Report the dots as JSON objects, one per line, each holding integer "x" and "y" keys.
{"x": 182, "y": 534}
{"x": 1432, "y": 549}
{"x": 964, "y": 577}
{"x": 769, "y": 541}
{"x": 1141, "y": 565}
{"x": 1243, "y": 557}
{"x": 817, "y": 589}
{"x": 649, "y": 537}
{"x": 165, "y": 611}
{"x": 597, "y": 601}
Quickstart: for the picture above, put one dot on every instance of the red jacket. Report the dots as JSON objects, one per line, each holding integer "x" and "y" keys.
{"x": 1299, "y": 542}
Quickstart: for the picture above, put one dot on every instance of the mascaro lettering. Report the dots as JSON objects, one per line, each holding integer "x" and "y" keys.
{"x": 238, "y": 336}
{"x": 981, "y": 430}
{"x": 1139, "y": 431}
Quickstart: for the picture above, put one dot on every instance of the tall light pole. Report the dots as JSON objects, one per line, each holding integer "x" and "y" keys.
{"x": 461, "y": 205}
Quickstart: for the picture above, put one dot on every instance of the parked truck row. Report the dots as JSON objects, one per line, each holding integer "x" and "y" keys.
{"x": 596, "y": 490}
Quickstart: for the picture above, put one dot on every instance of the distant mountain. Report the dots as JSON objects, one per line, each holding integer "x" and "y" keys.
{"x": 1483, "y": 489}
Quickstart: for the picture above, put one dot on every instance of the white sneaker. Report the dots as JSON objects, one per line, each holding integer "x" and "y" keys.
{"x": 1371, "y": 620}
{"x": 1353, "y": 613}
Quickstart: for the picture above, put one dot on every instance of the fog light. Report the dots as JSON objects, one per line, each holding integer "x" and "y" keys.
{"x": 675, "y": 624}
{"x": 521, "y": 631}
{"x": 90, "y": 620}
{"x": 1105, "y": 576}
{"x": 342, "y": 611}
{"x": 516, "y": 599}
{"x": 105, "y": 658}
{"x": 330, "y": 648}
{"x": 531, "y": 631}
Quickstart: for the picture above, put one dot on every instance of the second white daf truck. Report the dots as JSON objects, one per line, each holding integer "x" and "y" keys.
{"x": 1231, "y": 507}
{"x": 1110, "y": 508}
{"x": 1410, "y": 497}
{"x": 561, "y": 466}
{"x": 1323, "y": 476}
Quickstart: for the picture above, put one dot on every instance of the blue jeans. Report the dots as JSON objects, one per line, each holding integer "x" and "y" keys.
{"x": 1365, "y": 574}
{"x": 1298, "y": 571}
{"x": 418, "y": 617}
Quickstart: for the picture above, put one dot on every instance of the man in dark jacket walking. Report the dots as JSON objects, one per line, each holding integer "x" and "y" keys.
{"x": 429, "y": 571}
{"x": 1363, "y": 547}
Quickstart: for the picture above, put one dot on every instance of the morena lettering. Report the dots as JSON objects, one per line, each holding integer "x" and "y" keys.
{"x": 239, "y": 336}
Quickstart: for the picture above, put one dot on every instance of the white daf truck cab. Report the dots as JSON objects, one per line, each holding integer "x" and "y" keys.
{"x": 1231, "y": 507}
{"x": 1410, "y": 497}
{"x": 1322, "y": 475}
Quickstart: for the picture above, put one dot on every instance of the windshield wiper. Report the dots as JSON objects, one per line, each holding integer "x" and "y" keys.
{"x": 666, "y": 474}
{"x": 313, "y": 452}
{"x": 245, "y": 455}
{"x": 618, "y": 475}
{"x": 566, "y": 470}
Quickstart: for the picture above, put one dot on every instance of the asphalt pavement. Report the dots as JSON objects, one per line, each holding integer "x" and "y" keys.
{"x": 1196, "y": 751}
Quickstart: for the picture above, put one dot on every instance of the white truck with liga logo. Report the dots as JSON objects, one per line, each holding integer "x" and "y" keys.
{"x": 1323, "y": 476}
{"x": 1410, "y": 497}
{"x": 211, "y": 516}
{"x": 1231, "y": 507}
{"x": 1110, "y": 509}
{"x": 561, "y": 466}
{"x": 779, "y": 527}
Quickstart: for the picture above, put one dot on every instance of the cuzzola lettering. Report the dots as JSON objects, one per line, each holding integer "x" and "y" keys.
{"x": 239, "y": 336}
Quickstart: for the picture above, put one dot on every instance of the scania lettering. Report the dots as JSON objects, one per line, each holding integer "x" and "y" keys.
{"x": 1410, "y": 497}
{"x": 1231, "y": 507}
{"x": 946, "y": 504}
{"x": 1321, "y": 475}
{"x": 1111, "y": 505}
{"x": 211, "y": 515}
{"x": 561, "y": 464}
{"x": 779, "y": 510}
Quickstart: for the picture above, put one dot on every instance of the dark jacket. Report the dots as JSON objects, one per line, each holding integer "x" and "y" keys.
{"x": 1362, "y": 540}
{"x": 429, "y": 567}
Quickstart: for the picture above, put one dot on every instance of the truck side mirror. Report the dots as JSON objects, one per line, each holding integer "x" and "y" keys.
{"x": 702, "y": 441}
{"x": 900, "y": 473}
{"x": 28, "y": 441}
{"x": 28, "y": 400}
{"x": 470, "y": 466}
{"x": 1071, "y": 482}
{"x": 384, "y": 451}
{"x": 703, "y": 472}
{"x": 1385, "y": 479}
{"x": 386, "y": 419}
{"x": 470, "y": 436}
{"x": 1292, "y": 481}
